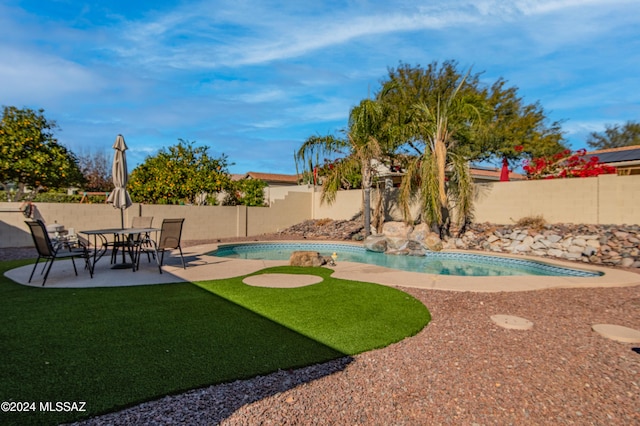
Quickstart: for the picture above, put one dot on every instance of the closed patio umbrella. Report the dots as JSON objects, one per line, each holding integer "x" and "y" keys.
{"x": 120, "y": 197}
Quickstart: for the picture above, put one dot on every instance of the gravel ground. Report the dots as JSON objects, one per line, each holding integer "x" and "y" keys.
{"x": 461, "y": 369}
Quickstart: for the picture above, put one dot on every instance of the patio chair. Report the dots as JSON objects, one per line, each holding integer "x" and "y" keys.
{"x": 143, "y": 240}
{"x": 170, "y": 235}
{"x": 130, "y": 243}
{"x": 50, "y": 252}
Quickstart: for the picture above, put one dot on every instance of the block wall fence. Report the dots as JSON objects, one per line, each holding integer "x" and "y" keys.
{"x": 607, "y": 199}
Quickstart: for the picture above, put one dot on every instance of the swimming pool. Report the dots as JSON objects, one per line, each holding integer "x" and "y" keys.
{"x": 442, "y": 263}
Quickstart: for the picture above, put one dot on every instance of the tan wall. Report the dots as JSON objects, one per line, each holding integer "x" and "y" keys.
{"x": 294, "y": 208}
{"x": 608, "y": 199}
{"x": 347, "y": 205}
{"x": 273, "y": 193}
{"x": 602, "y": 200}
{"x": 201, "y": 222}
{"x": 619, "y": 199}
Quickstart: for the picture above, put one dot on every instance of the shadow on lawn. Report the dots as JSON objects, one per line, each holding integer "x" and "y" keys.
{"x": 115, "y": 348}
{"x": 185, "y": 352}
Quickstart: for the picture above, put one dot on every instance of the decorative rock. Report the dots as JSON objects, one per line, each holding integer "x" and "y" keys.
{"x": 397, "y": 230}
{"x": 553, "y": 238}
{"x": 596, "y": 244}
{"x": 627, "y": 262}
{"x": 420, "y": 232}
{"x": 593, "y": 243}
{"x": 377, "y": 243}
{"x": 395, "y": 243}
{"x": 572, "y": 256}
{"x": 555, "y": 253}
{"x": 306, "y": 258}
{"x": 433, "y": 242}
{"x": 579, "y": 242}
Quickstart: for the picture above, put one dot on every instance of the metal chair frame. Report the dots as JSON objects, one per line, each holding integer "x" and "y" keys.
{"x": 50, "y": 252}
{"x": 170, "y": 236}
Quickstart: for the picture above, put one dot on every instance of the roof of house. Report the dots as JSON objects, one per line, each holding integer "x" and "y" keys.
{"x": 616, "y": 155}
{"x": 268, "y": 177}
{"x": 493, "y": 173}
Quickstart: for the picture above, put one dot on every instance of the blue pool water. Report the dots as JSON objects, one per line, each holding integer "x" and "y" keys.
{"x": 463, "y": 264}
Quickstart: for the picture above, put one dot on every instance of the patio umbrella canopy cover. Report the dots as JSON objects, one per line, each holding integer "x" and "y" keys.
{"x": 120, "y": 197}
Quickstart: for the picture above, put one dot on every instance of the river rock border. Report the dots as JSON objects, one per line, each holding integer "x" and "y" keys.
{"x": 611, "y": 245}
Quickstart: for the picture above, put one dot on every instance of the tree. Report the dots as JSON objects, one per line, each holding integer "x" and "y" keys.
{"x": 616, "y": 136}
{"x": 443, "y": 120}
{"x": 96, "y": 169}
{"x": 440, "y": 123}
{"x": 509, "y": 121}
{"x": 182, "y": 174}
{"x": 245, "y": 192}
{"x": 31, "y": 156}
{"x": 363, "y": 143}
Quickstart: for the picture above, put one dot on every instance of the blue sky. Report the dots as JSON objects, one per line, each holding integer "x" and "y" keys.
{"x": 254, "y": 79}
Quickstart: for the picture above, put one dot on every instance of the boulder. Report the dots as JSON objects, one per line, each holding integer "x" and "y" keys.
{"x": 377, "y": 243}
{"x": 306, "y": 258}
{"x": 433, "y": 242}
{"x": 419, "y": 232}
{"x": 396, "y": 243}
{"x": 396, "y": 230}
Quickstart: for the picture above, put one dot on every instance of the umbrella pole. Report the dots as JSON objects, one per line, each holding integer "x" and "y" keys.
{"x": 124, "y": 260}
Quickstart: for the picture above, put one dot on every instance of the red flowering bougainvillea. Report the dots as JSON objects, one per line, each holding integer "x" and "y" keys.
{"x": 566, "y": 164}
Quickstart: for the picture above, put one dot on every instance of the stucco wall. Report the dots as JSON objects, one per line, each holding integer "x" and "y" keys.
{"x": 201, "y": 222}
{"x": 607, "y": 199}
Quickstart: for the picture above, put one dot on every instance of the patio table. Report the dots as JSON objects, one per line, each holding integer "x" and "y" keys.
{"x": 118, "y": 234}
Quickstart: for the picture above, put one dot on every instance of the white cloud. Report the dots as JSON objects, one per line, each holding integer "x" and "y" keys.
{"x": 31, "y": 77}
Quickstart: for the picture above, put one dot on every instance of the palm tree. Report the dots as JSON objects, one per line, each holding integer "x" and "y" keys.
{"x": 363, "y": 143}
{"x": 440, "y": 125}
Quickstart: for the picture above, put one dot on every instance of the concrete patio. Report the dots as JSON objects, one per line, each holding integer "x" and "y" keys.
{"x": 201, "y": 266}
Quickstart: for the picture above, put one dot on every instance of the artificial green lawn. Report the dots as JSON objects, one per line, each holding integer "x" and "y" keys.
{"x": 115, "y": 347}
